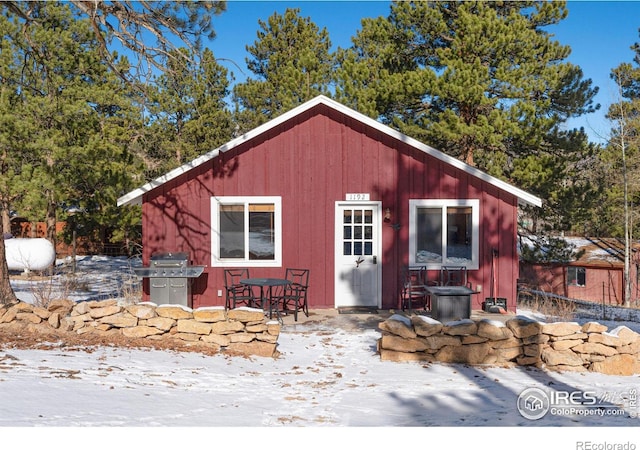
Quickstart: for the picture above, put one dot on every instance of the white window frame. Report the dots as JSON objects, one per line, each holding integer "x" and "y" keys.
{"x": 216, "y": 261}
{"x": 474, "y": 204}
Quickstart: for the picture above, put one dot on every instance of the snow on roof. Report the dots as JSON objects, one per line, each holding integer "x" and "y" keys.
{"x": 594, "y": 250}
{"x": 135, "y": 197}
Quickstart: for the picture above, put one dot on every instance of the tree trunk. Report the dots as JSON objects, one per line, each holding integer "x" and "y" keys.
{"x": 51, "y": 219}
{"x": 7, "y": 296}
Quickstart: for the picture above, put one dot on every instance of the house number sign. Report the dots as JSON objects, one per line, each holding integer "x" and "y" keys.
{"x": 357, "y": 197}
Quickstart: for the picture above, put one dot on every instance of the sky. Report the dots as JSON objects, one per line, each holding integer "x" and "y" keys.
{"x": 327, "y": 388}
{"x": 600, "y": 34}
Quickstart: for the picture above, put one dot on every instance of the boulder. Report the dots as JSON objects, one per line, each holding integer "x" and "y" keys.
{"x": 494, "y": 330}
{"x": 605, "y": 339}
{"x": 523, "y": 327}
{"x": 626, "y": 335}
{"x": 400, "y": 344}
{"x": 97, "y": 313}
{"x": 566, "y": 344}
{"x": 399, "y": 325}
{"x": 561, "y": 328}
{"x": 174, "y": 312}
{"x": 625, "y": 365}
{"x": 464, "y": 354}
{"x": 425, "y": 326}
{"x": 463, "y": 327}
{"x": 161, "y": 323}
{"x": 120, "y": 320}
{"x": 142, "y": 311}
{"x": 140, "y": 331}
{"x": 438, "y": 341}
{"x": 593, "y": 327}
{"x": 392, "y": 355}
{"x": 560, "y": 358}
{"x": 226, "y": 327}
{"x": 193, "y": 326}
{"x": 245, "y": 314}
{"x": 594, "y": 348}
{"x": 210, "y": 314}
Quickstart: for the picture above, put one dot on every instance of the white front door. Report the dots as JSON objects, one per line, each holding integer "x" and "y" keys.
{"x": 357, "y": 254}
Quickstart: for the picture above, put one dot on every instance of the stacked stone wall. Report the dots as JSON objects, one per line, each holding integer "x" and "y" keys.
{"x": 243, "y": 331}
{"x": 560, "y": 346}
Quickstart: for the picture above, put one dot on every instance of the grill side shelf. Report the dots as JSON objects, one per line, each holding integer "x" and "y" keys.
{"x": 186, "y": 272}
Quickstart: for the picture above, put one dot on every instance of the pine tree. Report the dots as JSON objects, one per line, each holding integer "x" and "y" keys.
{"x": 188, "y": 115}
{"x": 292, "y": 64}
{"x": 481, "y": 81}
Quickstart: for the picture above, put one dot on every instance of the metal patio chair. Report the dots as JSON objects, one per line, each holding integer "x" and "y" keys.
{"x": 454, "y": 276}
{"x": 237, "y": 293}
{"x": 294, "y": 295}
{"x": 414, "y": 289}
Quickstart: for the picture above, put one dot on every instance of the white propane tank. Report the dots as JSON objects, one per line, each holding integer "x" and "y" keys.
{"x": 29, "y": 254}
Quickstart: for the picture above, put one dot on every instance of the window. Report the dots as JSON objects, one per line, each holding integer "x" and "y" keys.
{"x": 246, "y": 231}
{"x": 576, "y": 276}
{"x": 444, "y": 232}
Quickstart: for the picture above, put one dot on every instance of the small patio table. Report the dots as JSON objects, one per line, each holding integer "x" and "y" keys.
{"x": 266, "y": 286}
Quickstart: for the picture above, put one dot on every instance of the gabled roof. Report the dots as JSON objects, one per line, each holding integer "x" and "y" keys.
{"x": 135, "y": 197}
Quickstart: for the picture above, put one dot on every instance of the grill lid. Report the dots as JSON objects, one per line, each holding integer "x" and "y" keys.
{"x": 170, "y": 256}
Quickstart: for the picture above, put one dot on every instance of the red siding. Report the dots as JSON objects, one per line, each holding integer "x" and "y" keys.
{"x": 312, "y": 161}
{"x": 603, "y": 284}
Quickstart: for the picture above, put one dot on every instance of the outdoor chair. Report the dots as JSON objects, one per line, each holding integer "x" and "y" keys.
{"x": 237, "y": 293}
{"x": 294, "y": 295}
{"x": 414, "y": 289}
{"x": 454, "y": 276}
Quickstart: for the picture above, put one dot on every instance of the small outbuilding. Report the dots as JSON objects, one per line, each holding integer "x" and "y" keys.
{"x": 328, "y": 189}
{"x": 595, "y": 274}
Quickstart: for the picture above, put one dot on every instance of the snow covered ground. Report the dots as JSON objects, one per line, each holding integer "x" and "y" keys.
{"x": 325, "y": 378}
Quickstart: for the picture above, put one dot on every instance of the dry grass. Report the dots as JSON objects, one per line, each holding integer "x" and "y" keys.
{"x": 555, "y": 309}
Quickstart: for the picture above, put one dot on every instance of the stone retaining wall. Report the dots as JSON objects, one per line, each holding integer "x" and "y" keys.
{"x": 243, "y": 331}
{"x": 561, "y": 346}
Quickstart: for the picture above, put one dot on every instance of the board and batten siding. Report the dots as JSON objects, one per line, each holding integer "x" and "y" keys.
{"x": 311, "y": 161}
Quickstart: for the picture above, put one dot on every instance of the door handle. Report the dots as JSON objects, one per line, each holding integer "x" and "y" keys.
{"x": 375, "y": 260}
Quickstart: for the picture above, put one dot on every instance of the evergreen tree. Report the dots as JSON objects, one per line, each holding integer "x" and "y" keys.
{"x": 484, "y": 82}
{"x": 188, "y": 115}
{"x": 52, "y": 93}
{"x": 292, "y": 63}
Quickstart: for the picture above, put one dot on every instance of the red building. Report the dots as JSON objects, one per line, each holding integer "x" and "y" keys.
{"x": 595, "y": 275}
{"x": 326, "y": 188}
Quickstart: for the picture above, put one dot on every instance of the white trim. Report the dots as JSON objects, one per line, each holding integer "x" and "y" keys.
{"x": 444, "y": 203}
{"x": 135, "y": 197}
{"x": 216, "y": 261}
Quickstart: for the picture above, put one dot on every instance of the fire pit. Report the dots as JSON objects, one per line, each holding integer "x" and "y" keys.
{"x": 170, "y": 277}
